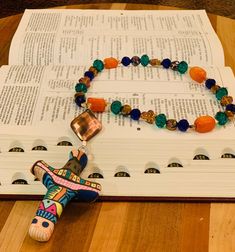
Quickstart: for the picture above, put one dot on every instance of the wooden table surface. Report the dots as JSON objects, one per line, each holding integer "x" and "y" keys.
{"x": 125, "y": 226}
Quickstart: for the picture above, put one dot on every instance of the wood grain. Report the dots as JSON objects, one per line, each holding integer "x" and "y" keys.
{"x": 218, "y": 7}
{"x": 8, "y": 27}
{"x": 5, "y": 209}
{"x": 222, "y": 228}
{"x": 125, "y": 226}
{"x": 16, "y": 226}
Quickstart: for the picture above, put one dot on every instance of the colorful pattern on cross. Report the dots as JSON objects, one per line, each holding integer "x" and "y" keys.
{"x": 62, "y": 185}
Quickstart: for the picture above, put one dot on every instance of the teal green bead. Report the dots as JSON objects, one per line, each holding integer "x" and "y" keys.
{"x": 221, "y": 117}
{"x": 182, "y": 67}
{"x": 220, "y": 93}
{"x": 160, "y": 120}
{"x": 144, "y": 60}
{"x": 99, "y": 65}
{"x": 116, "y": 107}
{"x": 81, "y": 87}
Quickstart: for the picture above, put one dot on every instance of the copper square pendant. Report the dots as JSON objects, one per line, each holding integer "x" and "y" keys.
{"x": 86, "y": 125}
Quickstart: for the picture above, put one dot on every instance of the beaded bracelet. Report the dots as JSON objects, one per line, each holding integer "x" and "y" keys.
{"x": 202, "y": 124}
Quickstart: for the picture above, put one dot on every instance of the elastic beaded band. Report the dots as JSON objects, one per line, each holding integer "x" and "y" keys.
{"x": 202, "y": 124}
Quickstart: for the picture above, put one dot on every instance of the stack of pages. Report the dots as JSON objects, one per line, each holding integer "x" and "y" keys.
{"x": 50, "y": 52}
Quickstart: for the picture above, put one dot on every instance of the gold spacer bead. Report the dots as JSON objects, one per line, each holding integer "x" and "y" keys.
{"x": 78, "y": 94}
{"x": 192, "y": 126}
{"x": 226, "y": 100}
{"x": 150, "y": 120}
{"x": 126, "y": 110}
{"x": 93, "y": 70}
{"x": 171, "y": 124}
{"x": 148, "y": 117}
{"x": 229, "y": 114}
{"x": 151, "y": 113}
{"x": 155, "y": 62}
{"x": 85, "y": 80}
{"x": 214, "y": 88}
{"x": 144, "y": 115}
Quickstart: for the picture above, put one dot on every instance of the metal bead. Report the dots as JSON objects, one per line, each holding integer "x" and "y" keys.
{"x": 155, "y": 62}
{"x": 85, "y": 80}
{"x": 135, "y": 60}
{"x": 174, "y": 65}
{"x": 144, "y": 115}
{"x": 215, "y": 88}
{"x": 94, "y": 70}
{"x": 125, "y": 110}
{"x": 229, "y": 114}
{"x": 151, "y": 113}
{"x": 226, "y": 100}
{"x": 171, "y": 124}
{"x": 150, "y": 120}
{"x": 148, "y": 117}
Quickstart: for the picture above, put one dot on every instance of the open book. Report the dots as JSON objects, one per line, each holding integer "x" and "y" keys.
{"x": 49, "y": 53}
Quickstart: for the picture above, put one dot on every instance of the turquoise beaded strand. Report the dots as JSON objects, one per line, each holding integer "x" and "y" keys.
{"x": 202, "y": 124}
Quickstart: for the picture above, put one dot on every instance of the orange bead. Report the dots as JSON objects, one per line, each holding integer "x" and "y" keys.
{"x": 204, "y": 124}
{"x": 110, "y": 63}
{"x": 96, "y": 104}
{"x": 197, "y": 74}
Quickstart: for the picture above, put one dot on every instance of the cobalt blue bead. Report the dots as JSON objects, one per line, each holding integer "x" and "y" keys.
{"x": 135, "y": 114}
{"x": 89, "y": 74}
{"x": 183, "y": 125}
{"x": 231, "y": 107}
{"x": 126, "y": 61}
{"x": 210, "y": 83}
{"x": 79, "y": 100}
{"x": 166, "y": 63}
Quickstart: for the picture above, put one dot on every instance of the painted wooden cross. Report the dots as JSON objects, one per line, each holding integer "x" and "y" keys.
{"x": 62, "y": 185}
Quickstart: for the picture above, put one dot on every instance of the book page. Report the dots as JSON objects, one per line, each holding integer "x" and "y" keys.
{"x": 77, "y": 37}
{"x": 39, "y": 100}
